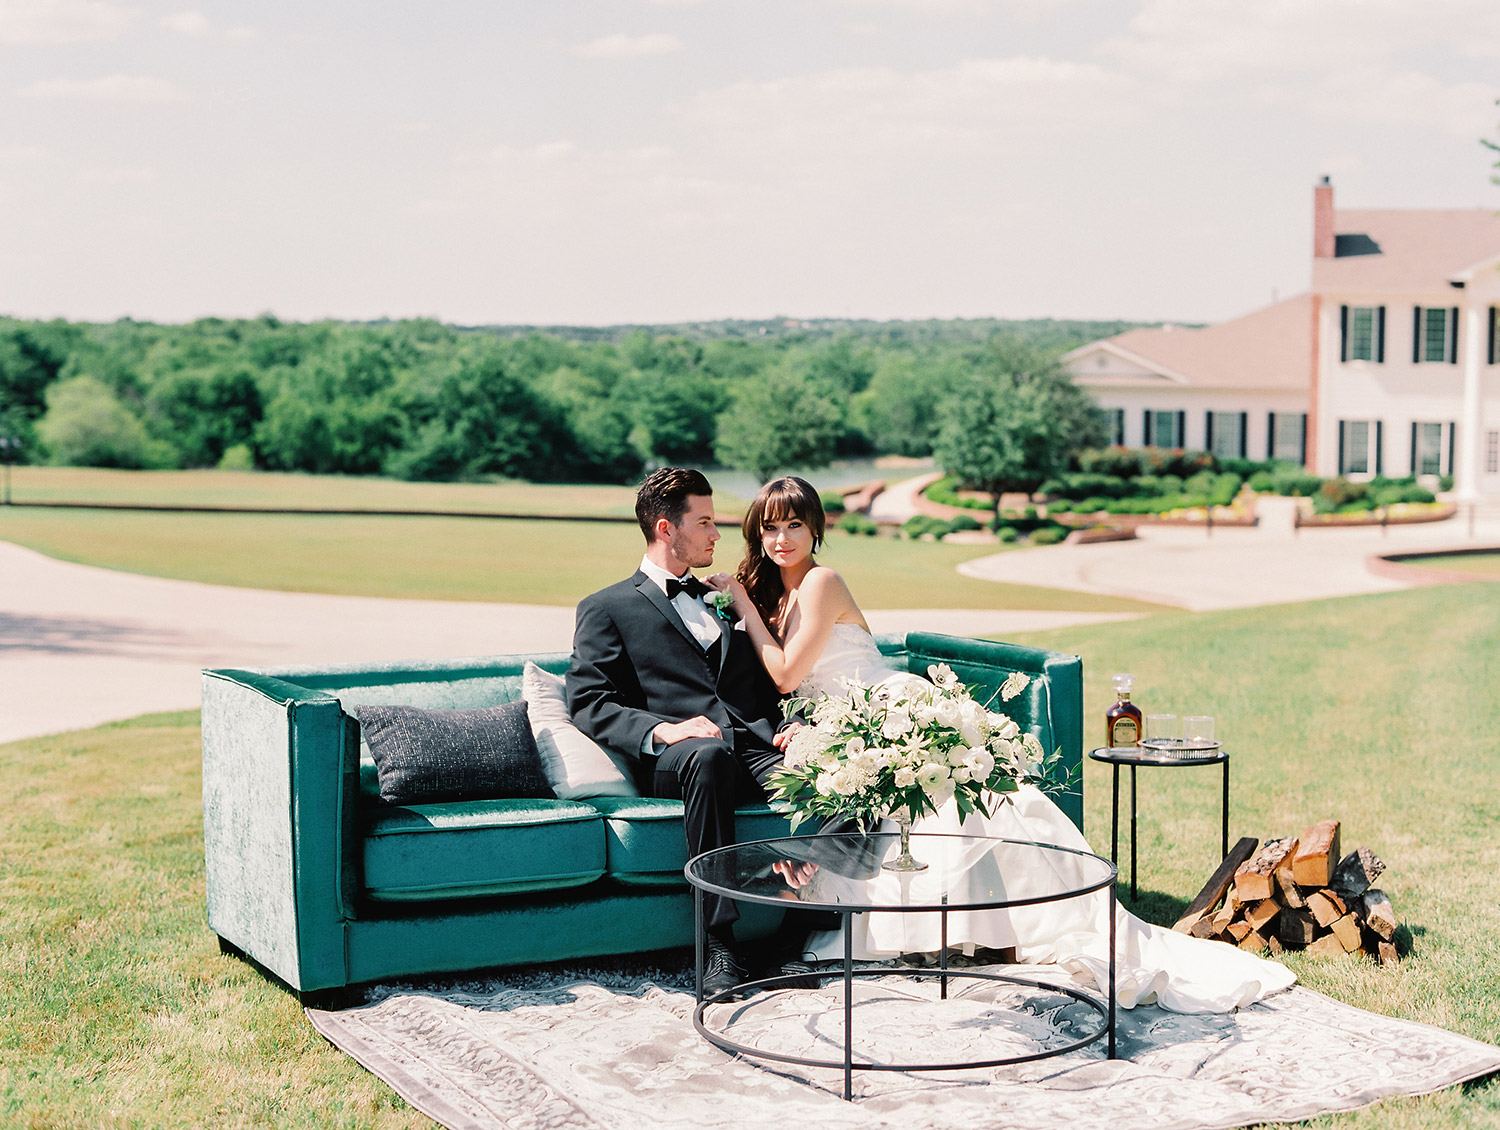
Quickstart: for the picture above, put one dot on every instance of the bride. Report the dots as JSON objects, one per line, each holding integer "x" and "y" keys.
{"x": 811, "y": 638}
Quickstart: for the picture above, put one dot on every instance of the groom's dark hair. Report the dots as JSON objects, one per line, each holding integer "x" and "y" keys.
{"x": 664, "y": 494}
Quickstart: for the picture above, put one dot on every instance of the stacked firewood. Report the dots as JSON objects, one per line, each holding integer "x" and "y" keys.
{"x": 1297, "y": 894}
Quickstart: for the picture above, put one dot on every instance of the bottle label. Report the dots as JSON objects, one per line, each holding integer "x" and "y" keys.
{"x": 1124, "y": 732}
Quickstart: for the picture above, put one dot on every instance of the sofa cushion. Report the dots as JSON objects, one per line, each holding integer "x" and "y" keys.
{"x": 576, "y": 766}
{"x": 432, "y": 756}
{"x": 646, "y": 844}
{"x": 495, "y": 847}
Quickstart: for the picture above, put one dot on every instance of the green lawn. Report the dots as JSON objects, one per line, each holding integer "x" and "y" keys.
{"x": 262, "y": 489}
{"x": 530, "y": 562}
{"x": 117, "y": 1010}
{"x": 1480, "y": 564}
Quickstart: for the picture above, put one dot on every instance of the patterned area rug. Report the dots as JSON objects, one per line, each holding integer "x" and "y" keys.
{"x": 612, "y": 1052}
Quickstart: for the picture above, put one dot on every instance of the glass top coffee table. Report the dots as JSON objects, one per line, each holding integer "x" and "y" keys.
{"x": 843, "y": 874}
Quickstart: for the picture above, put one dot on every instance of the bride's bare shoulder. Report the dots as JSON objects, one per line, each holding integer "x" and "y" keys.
{"x": 824, "y": 579}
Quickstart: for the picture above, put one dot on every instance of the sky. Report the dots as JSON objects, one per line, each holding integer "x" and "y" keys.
{"x": 610, "y": 161}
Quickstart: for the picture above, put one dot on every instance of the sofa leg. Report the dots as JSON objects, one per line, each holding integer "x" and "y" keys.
{"x": 330, "y": 1000}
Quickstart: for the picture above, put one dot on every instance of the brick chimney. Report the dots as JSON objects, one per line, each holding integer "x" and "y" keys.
{"x": 1323, "y": 242}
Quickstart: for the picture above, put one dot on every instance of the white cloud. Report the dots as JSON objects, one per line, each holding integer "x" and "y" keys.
{"x": 241, "y": 31}
{"x": 620, "y": 46}
{"x": 890, "y": 114}
{"x": 112, "y": 88}
{"x": 34, "y": 22}
{"x": 195, "y": 24}
{"x": 119, "y": 176}
{"x": 1204, "y": 40}
{"x": 1401, "y": 98}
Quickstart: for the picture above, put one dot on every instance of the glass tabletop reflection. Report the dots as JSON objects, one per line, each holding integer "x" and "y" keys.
{"x": 844, "y": 872}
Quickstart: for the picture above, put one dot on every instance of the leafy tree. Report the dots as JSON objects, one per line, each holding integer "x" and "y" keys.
{"x": 30, "y": 360}
{"x": 898, "y": 411}
{"x": 87, "y": 426}
{"x": 674, "y": 417}
{"x": 1011, "y": 428}
{"x": 778, "y": 421}
{"x": 202, "y": 413}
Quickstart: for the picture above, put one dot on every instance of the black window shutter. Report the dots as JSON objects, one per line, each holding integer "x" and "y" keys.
{"x": 1489, "y": 352}
{"x": 1413, "y": 447}
{"x": 1270, "y": 435}
{"x": 1379, "y": 447}
{"x": 1452, "y": 431}
{"x": 1380, "y": 334}
{"x": 1416, "y": 335}
{"x": 1148, "y": 438}
{"x": 1343, "y": 430}
{"x": 1208, "y": 431}
{"x": 1453, "y": 335}
{"x": 1302, "y": 455}
{"x": 1343, "y": 333}
{"x": 1244, "y": 435}
{"x": 1181, "y": 436}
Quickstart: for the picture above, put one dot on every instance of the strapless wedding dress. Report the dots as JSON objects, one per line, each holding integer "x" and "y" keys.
{"x": 1154, "y": 964}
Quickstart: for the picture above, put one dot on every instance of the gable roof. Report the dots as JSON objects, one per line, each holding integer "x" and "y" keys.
{"x": 1407, "y": 250}
{"x": 1269, "y": 348}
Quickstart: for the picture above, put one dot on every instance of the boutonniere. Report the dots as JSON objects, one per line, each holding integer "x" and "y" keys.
{"x": 721, "y": 603}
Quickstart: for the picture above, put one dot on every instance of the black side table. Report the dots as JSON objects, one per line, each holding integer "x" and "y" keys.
{"x": 1135, "y": 756}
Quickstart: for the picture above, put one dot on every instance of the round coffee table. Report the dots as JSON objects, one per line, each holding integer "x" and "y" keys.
{"x": 967, "y": 873}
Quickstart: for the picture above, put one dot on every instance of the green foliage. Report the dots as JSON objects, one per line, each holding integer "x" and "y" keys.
{"x": 964, "y": 522}
{"x": 237, "y": 458}
{"x": 1012, "y": 424}
{"x": 1048, "y": 535}
{"x": 1285, "y": 479}
{"x": 87, "y": 426}
{"x": 832, "y": 500}
{"x": 1008, "y": 534}
{"x": 924, "y": 525}
{"x": 859, "y": 524}
{"x": 945, "y": 492}
{"x": 778, "y": 421}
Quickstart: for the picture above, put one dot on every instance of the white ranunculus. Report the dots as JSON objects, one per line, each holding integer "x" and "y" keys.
{"x": 948, "y": 713}
{"x": 961, "y": 775}
{"x": 854, "y": 746}
{"x": 1001, "y": 726}
{"x": 924, "y": 713}
{"x": 932, "y": 776}
{"x": 905, "y": 778}
{"x": 980, "y": 764}
{"x": 897, "y": 722}
{"x": 824, "y": 783}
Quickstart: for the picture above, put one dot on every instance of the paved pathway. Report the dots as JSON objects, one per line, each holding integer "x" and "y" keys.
{"x": 1231, "y": 567}
{"x": 81, "y": 645}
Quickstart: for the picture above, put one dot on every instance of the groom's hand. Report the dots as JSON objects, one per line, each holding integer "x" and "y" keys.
{"x": 670, "y": 733}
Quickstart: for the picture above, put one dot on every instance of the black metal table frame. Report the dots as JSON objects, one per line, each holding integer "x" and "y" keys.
{"x": 1221, "y": 757}
{"x": 943, "y": 973}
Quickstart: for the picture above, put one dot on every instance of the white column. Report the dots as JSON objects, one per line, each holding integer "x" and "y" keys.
{"x": 1466, "y": 474}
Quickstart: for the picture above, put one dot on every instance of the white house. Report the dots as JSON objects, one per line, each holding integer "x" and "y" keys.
{"x": 1389, "y": 365}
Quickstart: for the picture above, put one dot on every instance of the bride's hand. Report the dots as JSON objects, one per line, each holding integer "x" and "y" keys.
{"x": 725, "y": 582}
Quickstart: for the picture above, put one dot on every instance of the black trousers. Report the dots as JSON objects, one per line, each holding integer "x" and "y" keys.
{"x": 712, "y": 777}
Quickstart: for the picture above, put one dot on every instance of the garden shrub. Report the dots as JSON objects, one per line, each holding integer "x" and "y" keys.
{"x": 919, "y": 525}
{"x": 1048, "y": 535}
{"x": 853, "y": 523}
{"x": 833, "y": 501}
{"x": 965, "y": 522}
{"x": 945, "y": 493}
{"x": 1009, "y": 534}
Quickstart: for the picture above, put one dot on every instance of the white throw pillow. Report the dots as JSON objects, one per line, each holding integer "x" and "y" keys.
{"x": 576, "y": 766}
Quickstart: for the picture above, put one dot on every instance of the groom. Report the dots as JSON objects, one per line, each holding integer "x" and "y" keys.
{"x": 659, "y": 677}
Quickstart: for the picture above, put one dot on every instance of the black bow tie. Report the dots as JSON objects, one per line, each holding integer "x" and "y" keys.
{"x": 689, "y": 584}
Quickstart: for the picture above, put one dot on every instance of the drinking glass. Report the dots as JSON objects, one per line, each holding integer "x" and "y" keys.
{"x": 1198, "y": 730}
{"x": 1164, "y": 727}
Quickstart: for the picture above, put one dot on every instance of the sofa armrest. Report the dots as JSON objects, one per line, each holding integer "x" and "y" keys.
{"x": 1052, "y": 703}
{"x": 280, "y": 774}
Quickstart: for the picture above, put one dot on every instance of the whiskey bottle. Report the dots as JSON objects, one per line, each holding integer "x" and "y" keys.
{"x": 1122, "y": 721}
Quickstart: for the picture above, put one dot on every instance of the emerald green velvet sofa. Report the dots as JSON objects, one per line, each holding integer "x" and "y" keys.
{"x": 310, "y": 876}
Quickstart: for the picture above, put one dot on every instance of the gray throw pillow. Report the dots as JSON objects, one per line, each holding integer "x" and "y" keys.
{"x": 429, "y": 756}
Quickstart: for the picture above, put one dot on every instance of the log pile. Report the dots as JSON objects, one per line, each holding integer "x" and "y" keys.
{"x": 1296, "y": 894}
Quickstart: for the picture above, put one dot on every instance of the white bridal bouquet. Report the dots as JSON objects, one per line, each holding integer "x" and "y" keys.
{"x": 904, "y": 750}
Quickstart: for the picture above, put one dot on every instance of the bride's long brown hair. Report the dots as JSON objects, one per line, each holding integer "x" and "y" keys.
{"x": 778, "y": 501}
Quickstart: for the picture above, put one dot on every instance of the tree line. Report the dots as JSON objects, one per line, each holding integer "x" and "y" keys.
{"x": 419, "y": 399}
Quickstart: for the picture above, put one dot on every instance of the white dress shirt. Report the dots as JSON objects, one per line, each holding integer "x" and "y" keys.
{"x": 696, "y": 615}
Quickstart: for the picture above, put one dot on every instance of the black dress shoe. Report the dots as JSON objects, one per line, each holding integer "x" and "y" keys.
{"x": 722, "y": 970}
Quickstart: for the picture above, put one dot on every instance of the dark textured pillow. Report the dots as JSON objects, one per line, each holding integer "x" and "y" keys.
{"x": 427, "y": 756}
